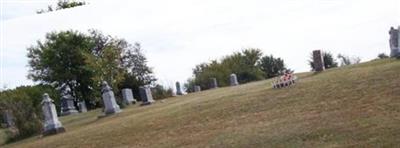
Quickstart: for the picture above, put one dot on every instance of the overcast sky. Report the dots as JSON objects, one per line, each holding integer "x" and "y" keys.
{"x": 178, "y": 34}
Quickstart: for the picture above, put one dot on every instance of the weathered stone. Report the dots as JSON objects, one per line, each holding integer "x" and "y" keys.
{"x": 51, "y": 123}
{"x": 8, "y": 118}
{"x": 178, "y": 89}
{"x": 197, "y": 88}
{"x": 233, "y": 80}
{"x": 110, "y": 105}
{"x": 82, "y": 107}
{"x": 213, "y": 83}
{"x": 145, "y": 94}
{"x": 318, "y": 61}
{"x": 394, "y": 42}
{"x": 67, "y": 102}
{"x": 128, "y": 96}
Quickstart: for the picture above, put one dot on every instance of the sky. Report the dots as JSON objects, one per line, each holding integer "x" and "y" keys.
{"x": 179, "y": 34}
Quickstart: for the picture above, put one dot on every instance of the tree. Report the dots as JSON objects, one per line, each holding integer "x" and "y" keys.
{"x": 62, "y": 4}
{"x": 271, "y": 66}
{"x": 83, "y": 61}
{"x": 329, "y": 61}
{"x": 346, "y": 60}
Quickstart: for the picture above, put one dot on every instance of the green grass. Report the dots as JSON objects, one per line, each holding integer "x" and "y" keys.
{"x": 353, "y": 106}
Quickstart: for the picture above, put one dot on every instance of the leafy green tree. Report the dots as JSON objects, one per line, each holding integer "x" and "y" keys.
{"x": 62, "y": 4}
{"x": 83, "y": 61}
{"x": 329, "y": 61}
{"x": 271, "y": 66}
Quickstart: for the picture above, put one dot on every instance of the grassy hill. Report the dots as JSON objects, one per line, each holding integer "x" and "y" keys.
{"x": 356, "y": 105}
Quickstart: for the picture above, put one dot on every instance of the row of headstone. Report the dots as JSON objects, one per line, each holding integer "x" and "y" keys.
{"x": 52, "y": 125}
{"x": 214, "y": 84}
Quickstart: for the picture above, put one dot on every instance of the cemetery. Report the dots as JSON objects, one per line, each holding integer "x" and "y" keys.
{"x": 95, "y": 89}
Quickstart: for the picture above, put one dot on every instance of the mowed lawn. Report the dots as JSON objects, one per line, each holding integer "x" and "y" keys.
{"x": 353, "y": 106}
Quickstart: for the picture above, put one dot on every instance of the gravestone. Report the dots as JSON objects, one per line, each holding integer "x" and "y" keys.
{"x": 51, "y": 123}
{"x": 213, "y": 83}
{"x": 145, "y": 94}
{"x": 233, "y": 80}
{"x": 394, "y": 42}
{"x": 110, "y": 105}
{"x": 178, "y": 89}
{"x": 8, "y": 118}
{"x": 82, "y": 107}
{"x": 127, "y": 95}
{"x": 197, "y": 88}
{"x": 318, "y": 61}
{"x": 67, "y": 102}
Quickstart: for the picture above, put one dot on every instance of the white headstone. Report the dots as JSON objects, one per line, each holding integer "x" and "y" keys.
{"x": 233, "y": 80}
{"x": 51, "y": 123}
{"x": 8, "y": 118}
{"x": 213, "y": 83}
{"x": 178, "y": 89}
{"x": 197, "y": 88}
{"x": 82, "y": 107}
{"x": 128, "y": 96}
{"x": 145, "y": 94}
{"x": 110, "y": 105}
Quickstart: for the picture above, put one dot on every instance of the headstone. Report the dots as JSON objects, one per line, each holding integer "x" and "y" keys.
{"x": 127, "y": 95}
{"x": 178, "y": 89}
{"x": 82, "y": 107}
{"x": 8, "y": 118}
{"x": 233, "y": 80}
{"x": 67, "y": 102}
{"x": 145, "y": 94}
{"x": 51, "y": 123}
{"x": 110, "y": 105}
{"x": 394, "y": 42}
{"x": 318, "y": 61}
{"x": 213, "y": 83}
{"x": 197, "y": 88}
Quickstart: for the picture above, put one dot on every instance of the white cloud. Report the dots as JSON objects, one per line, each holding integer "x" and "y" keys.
{"x": 179, "y": 34}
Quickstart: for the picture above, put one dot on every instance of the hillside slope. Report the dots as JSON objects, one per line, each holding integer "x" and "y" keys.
{"x": 348, "y": 106}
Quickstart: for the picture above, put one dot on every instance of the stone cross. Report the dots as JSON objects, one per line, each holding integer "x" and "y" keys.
{"x": 178, "y": 89}
{"x": 51, "y": 123}
{"x": 67, "y": 102}
{"x": 213, "y": 83}
{"x": 145, "y": 94}
{"x": 82, "y": 107}
{"x": 318, "y": 61}
{"x": 110, "y": 105}
{"x": 197, "y": 88}
{"x": 394, "y": 42}
{"x": 233, "y": 80}
{"x": 128, "y": 96}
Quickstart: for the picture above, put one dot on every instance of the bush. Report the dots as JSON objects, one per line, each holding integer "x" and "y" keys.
{"x": 160, "y": 92}
{"x": 24, "y": 105}
{"x": 271, "y": 66}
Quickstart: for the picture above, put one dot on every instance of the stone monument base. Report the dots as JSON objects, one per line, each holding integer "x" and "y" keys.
{"x": 146, "y": 103}
{"x": 53, "y": 131}
{"x": 70, "y": 112}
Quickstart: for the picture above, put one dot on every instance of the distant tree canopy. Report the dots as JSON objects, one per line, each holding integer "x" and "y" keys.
{"x": 248, "y": 65}
{"x": 82, "y": 61}
{"x": 329, "y": 61}
{"x": 62, "y": 4}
